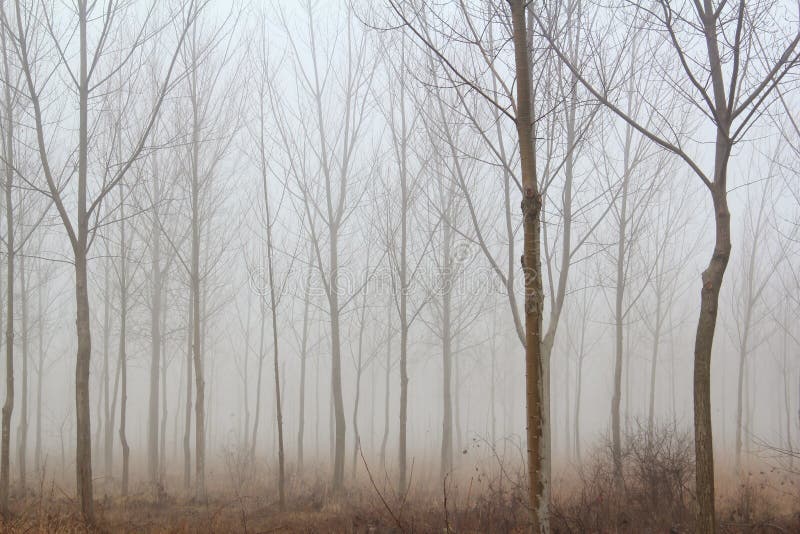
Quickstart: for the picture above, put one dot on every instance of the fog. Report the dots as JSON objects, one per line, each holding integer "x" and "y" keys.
{"x": 271, "y": 249}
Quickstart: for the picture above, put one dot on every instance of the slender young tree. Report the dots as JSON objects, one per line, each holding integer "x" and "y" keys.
{"x": 334, "y": 119}
{"x": 532, "y": 266}
{"x": 8, "y": 160}
{"x": 84, "y": 81}
{"x": 730, "y": 89}
{"x": 123, "y": 278}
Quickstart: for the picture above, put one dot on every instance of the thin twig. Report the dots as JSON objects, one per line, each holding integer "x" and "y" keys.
{"x": 372, "y": 481}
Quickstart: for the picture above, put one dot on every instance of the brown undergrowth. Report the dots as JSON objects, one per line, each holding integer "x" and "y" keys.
{"x": 485, "y": 494}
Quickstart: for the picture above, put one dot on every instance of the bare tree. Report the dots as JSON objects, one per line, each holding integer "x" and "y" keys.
{"x": 333, "y": 124}
{"x": 748, "y": 310}
{"x": 91, "y": 76}
{"x": 731, "y": 90}
{"x": 8, "y": 160}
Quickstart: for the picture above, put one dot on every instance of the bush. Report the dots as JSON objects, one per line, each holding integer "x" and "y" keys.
{"x": 656, "y": 492}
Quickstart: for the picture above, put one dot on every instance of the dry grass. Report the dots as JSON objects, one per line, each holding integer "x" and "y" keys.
{"x": 483, "y": 496}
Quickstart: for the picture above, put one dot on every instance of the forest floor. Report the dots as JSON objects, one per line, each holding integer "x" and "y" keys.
{"x": 764, "y": 504}
{"x": 486, "y": 496}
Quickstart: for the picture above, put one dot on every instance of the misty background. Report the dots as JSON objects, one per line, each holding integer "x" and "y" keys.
{"x": 302, "y": 150}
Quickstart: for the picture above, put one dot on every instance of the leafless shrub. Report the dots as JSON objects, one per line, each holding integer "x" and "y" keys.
{"x": 656, "y": 493}
{"x": 239, "y": 467}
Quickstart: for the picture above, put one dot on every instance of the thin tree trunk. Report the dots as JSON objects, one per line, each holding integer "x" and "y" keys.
{"x": 619, "y": 311}
{"x": 403, "y": 284}
{"x": 108, "y": 431}
{"x": 709, "y": 303}
{"x": 446, "y": 464}
{"x": 654, "y": 360}
{"x": 261, "y": 356}
{"x": 8, "y": 406}
{"x": 387, "y": 385}
{"x": 531, "y": 263}
{"x": 274, "y": 310}
{"x": 301, "y": 419}
{"x": 22, "y": 430}
{"x": 155, "y": 335}
{"x": 39, "y": 377}
{"x": 786, "y": 381}
{"x": 123, "y": 357}
{"x": 187, "y": 430}
{"x": 83, "y": 450}
{"x": 246, "y": 379}
{"x": 200, "y": 429}
{"x": 492, "y": 385}
{"x": 359, "y": 371}
{"x": 110, "y": 424}
{"x": 162, "y": 463}
{"x": 457, "y": 395}
{"x": 336, "y": 366}
{"x": 576, "y": 422}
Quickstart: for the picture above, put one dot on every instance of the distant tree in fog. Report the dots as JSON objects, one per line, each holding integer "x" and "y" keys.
{"x": 730, "y": 90}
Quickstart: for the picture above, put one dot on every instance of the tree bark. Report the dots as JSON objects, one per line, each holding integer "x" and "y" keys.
{"x": 108, "y": 448}
{"x": 123, "y": 356}
{"x": 654, "y": 357}
{"x": 709, "y": 303}
{"x": 39, "y": 377}
{"x": 387, "y": 385}
{"x": 187, "y": 429}
{"x": 446, "y": 461}
{"x": 83, "y": 450}
{"x": 359, "y": 372}
{"x": 336, "y": 365}
{"x": 162, "y": 463}
{"x": 22, "y": 429}
{"x": 8, "y": 405}
{"x": 261, "y": 356}
{"x": 155, "y": 334}
{"x": 531, "y": 264}
{"x": 301, "y": 419}
{"x": 274, "y": 312}
{"x": 200, "y": 428}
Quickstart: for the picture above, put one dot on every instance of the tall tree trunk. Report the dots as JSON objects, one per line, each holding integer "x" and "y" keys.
{"x": 200, "y": 428}
{"x": 162, "y": 463}
{"x": 531, "y": 264}
{"x": 83, "y": 450}
{"x": 457, "y": 395}
{"x": 654, "y": 359}
{"x": 567, "y": 411}
{"x": 576, "y": 421}
{"x": 741, "y": 391}
{"x": 246, "y": 379}
{"x": 446, "y": 461}
{"x": 273, "y": 298}
{"x": 123, "y": 356}
{"x": 336, "y": 364}
{"x": 261, "y": 356}
{"x": 155, "y": 334}
{"x": 787, "y": 374}
{"x": 387, "y": 385}
{"x": 39, "y": 376}
{"x": 8, "y": 405}
{"x": 492, "y": 385}
{"x": 404, "y": 284}
{"x": 22, "y": 429}
{"x": 619, "y": 309}
{"x": 359, "y": 372}
{"x": 111, "y": 422}
{"x": 709, "y": 303}
{"x": 187, "y": 429}
{"x": 108, "y": 431}
{"x": 301, "y": 419}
